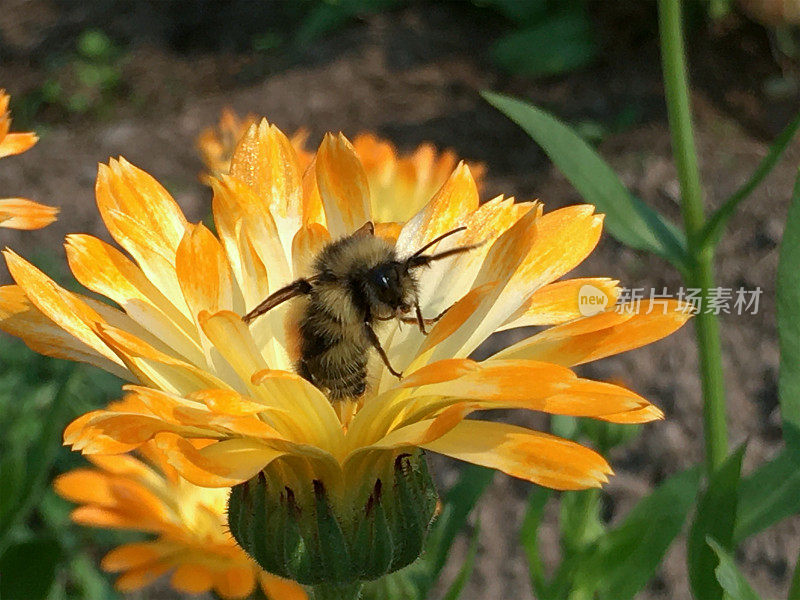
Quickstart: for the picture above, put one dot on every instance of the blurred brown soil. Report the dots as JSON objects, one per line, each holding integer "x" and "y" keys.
{"x": 414, "y": 76}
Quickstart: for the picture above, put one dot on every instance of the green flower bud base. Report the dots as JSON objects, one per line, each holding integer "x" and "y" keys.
{"x": 305, "y": 536}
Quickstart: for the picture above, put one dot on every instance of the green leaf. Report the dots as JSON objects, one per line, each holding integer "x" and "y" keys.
{"x": 555, "y": 45}
{"x": 794, "y": 588}
{"x": 715, "y": 225}
{"x": 520, "y": 11}
{"x": 458, "y": 504}
{"x": 715, "y": 517}
{"x": 27, "y": 569}
{"x": 628, "y": 219}
{"x": 623, "y": 560}
{"x": 465, "y": 572}
{"x": 529, "y": 535}
{"x": 770, "y": 494}
{"x": 788, "y": 304}
{"x": 39, "y": 458}
{"x": 728, "y": 575}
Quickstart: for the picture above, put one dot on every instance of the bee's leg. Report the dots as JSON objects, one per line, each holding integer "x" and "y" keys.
{"x": 296, "y": 288}
{"x": 420, "y": 321}
{"x": 373, "y": 339}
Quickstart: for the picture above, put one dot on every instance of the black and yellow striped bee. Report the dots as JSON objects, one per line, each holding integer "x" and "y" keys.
{"x": 356, "y": 282}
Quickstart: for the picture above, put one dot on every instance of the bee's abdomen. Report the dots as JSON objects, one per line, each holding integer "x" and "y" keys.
{"x": 333, "y": 354}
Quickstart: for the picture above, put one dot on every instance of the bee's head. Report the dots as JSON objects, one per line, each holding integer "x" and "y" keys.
{"x": 392, "y": 286}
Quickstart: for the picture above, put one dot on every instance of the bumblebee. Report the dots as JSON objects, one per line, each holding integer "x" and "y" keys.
{"x": 356, "y": 282}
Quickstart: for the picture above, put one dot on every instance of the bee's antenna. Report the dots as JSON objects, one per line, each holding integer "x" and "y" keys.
{"x": 420, "y": 260}
{"x": 435, "y": 240}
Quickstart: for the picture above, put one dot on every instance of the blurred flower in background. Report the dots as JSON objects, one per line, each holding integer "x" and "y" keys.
{"x": 399, "y": 183}
{"x": 192, "y": 543}
{"x": 19, "y": 213}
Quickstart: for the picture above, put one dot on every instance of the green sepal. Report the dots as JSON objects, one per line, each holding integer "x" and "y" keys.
{"x": 315, "y": 539}
{"x": 332, "y": 547}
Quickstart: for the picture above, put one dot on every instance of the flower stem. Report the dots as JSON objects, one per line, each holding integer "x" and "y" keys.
{"x": 337, "y": 591}
{"x": 700, "y": 273}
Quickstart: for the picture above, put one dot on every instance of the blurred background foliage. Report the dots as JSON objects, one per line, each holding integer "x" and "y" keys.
{"x": 85, "y": 58}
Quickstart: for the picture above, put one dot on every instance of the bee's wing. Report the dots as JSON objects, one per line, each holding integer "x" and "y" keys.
{"x": 367, "y": 228}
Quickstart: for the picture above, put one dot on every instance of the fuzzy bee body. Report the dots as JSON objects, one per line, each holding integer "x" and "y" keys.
{"x": 334, "y": 346}
{"x": 356, "y": 282}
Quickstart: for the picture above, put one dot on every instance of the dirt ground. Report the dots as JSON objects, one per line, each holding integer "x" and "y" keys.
{"x": 414, "y": 76}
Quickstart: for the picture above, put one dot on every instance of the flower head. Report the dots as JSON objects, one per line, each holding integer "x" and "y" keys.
{"x": 220, "y": 398}
{"x": 19, "y": 213}
{"x": 192, "y": 543}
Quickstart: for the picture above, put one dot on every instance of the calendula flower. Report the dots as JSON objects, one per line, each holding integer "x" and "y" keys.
{"x": 400, "y": 184}
{"x": 222, "y": 401}
{"x": 19, "y": 213}
{"x": 192, "y": 544}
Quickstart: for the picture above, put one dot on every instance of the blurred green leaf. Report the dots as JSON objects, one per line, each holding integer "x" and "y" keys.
{"x": 529, "y": 535}
{"x": 768, "y": 495}
{"x": 715, "y": 517}
{"x": 39, "y": 458}
{"x": 27, "y": 569}
{"x": 95, "y": 44}
{"x": 794, "y": 588}
{"x": 728, "y": 575}
{"x": 788, "y": 305}
{"x": 558, "y": 44}
{"x": 715, "y": 224}
{"x": 625, "y": 558}
{"x": 627, "y": 218}
{"x": 465, "y": 572}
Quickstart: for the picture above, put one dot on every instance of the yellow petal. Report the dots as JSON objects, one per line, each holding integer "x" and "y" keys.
{"x": 204, "y": 273}
{"x": 105, "y": 270}
{"x": 19, "y": 213}
{"x": 342, "y": 185}
{"x": 446, "y": 211}
{"x": 144, "y": 219}
{"x": 67, "y": 310}
{"x": 537, "y": 457}
{"x": 21, "y": 318}
{"x": 601, "y": 335}
{"x": 222, "y": 464}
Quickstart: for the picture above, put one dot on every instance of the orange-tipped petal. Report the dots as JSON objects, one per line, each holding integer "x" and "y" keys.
{"x": 138, "y": 578}
{"x": 235, "y": 583}
{"x": 192, "y": 579}
{"x": 19, "y": 213}
{"x": 342, "y": 185}
{"x": 277, "y": 588}
{"x": 537, "y": 457}
{"x": 16, "y": 143}
{"x": 131, "y": 556}
{"x": 602, "y": 335}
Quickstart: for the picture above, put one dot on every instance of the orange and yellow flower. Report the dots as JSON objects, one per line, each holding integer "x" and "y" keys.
{"x": 399, "y": 184}
{"x": 19, "y": 213}
{"x": 192, "y": 543}
{"x": 221, "y": 399}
